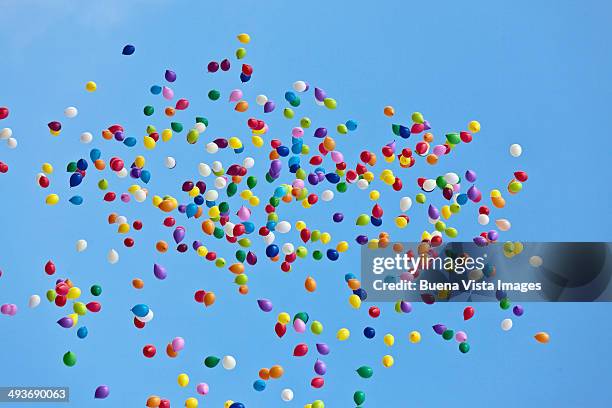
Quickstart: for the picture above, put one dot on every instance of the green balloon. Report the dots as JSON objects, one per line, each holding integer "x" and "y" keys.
{"x": 288, "y": 113}
{"x": 448, "y": 334}
{"x": 213, "y": 94}
{"x": 396, "y": 129}
{"x": 315, "y": 235}
{"x": 359, "y": 397}
{"x": 240, "y": 255}
{"x": 305, "y": 122}
{"x": 218, "y": 233}
{"x": 330, "y": 103}
{"x": 148, "y": 110}
{"x": 51, "y": 295}
{"x": 232, "y": 188}
{"x": 274, "y": 201}
{"x": 71, "y": 167}
{"x": 316, "y": 327}
{"x": 318, "y": 404}
{"x": 269, "y": 178}
{"x": 176, "y": 126}
{"x": 440, "y": 182}
{"x": 211, "y": 361}
{"x": 362, "y": 220}
{"x": 453, "y": 138}
{"x": 417, "y": 117}
{"x": 241, "y": 279}
{"x": 317, "y": 255}
{"x": 341, "y": 187}
{"x": 365, "y": 372}
{"x": 96, "y": 290}
{"x": 303, "y": 316}
{"x": 251, "y": 181}
{"x": 200, "y": 119}
{"x": 504, "y": 303}
{"x": 70, "y": 359}
{"x": 224, "y": 207}
{"x": 295, "y": 103}
{"x": 241, "y": 53}
{"x": 464, "y": 347}
{"x": 301, "y": 173}
{"x": 193, "y": 136}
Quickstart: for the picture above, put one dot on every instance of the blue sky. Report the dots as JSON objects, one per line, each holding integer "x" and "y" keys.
{"x": 532, "y": 73}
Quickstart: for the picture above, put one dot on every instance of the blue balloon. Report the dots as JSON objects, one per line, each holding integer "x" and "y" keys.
{"x": 156, "y": 89}
{"x": 82, "y": 164}
{"x": 272, "y": 250}
{"x": 140, "y": 310}
{"x": 351, "y": 125}
{"x": 332, "y": 178}
{"x": 462, "y": 199}
{"x": 95, "y": 154}
{"x": 128, "y": 49}
{"x": 259, "y": 385}
{"x": 283, "y": 151}
{"x": 249, "y": 227}
{"x": 145, "y": 176}
{"x": 361, "y": 292}
{"x": 76, "y": 200}
{"x": 369, "y": 332}
{"x": 191, "y": 210}
{"x": 82, "y": 332}
{"x": 349, "y": 276}
{"x": 237, "y": 405}
{"x": 244, "y": 78}
{"x": 130, "y": 141}
{"x": 332, "y": 255}
{"x": 75, "y": 179}
{"x": 199, "y": 200}
{"x": 377, "y": 222}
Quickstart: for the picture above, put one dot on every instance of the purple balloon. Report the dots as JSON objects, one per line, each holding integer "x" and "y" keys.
{"x": 102, "y": 392}
{"x": 492, "y": 235}
{"x": 269, "y": 107}
{"x": 427, "y": 125}
{"x": 323, "y": 349}
{"x": 178, "y": 234}
{"x": 319, "y": 94}
{"x": 65, "y": 322}
{"x": 320, "y": 132}
{"x": 518, "y": 310}
{"x": 480, "y": 241}
{"x": 473, "y": 193}
{"x": 4, "y": 309}
{"x": 406, "y": 306}
{"x": 470, "y": 175}
{"x": 433, "y": 212}
{"x": 320, "y": 367}
{"x": 159, "y": 272}
{"x": 276, "y": 165}
{"x": 170, "y": 76}
{"x": 439, "y": 328}
{"x": 361, "y": 239}
{"x": 265, "y": 305}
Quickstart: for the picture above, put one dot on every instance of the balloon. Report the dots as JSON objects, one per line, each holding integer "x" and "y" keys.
{"x": 259, "y": 385}
{"x": 191, "y": 403}
{"x": 81, "y": 245}
{"x": 516, "y": 150}
{"x": 229, "y": 362}
{"x": 468, "y": 313}
{"x": 71, "y": 112}
{"x": 343, "y": 334}
{"x": 159, "y": 272}
{"x": 387, "y": 361}
{"x": 211, "y": 361}
{"x": 69, "y": 359}
{"x": 183, "y": 380}
{"x": 140, "y": 310}
{"x": 464, "y": 347}
{"x": 365, "y": 372}
{"x": 178, "y": 343}
{"x": 112, "y": 257}
{"x": 323, "y": 349}
{"x": 460, "y": 336}
{"x": 518, "y": 310}
{"x": 34, "y": 301}
{"x": 102, "y": 391}
{"x": 389, "y": 340}
{"x": 265, "y": 305}
{"x": 202, "y": 388}
{"x": 542, "y": 337}
{"x": 414, "y": 337}
{"x": 287, "y": 395}
{"x": 300, "y": 350}
{"x": 506, "y": 324}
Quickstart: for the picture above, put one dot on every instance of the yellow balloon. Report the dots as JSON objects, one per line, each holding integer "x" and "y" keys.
{"x": 474, "y": 126}
{"x": 374, "y": 195}
{"x": 228, "y": 403}
{"x": 149, "y": 142}
{"x": 52, "y": 199}
{"x": 254, "y": 201}
{"x": 342, "y": 246}
{"x": 235, "y": 143}
{"x": 166, "y": 135}
{"x": 133, "y": 188}
{"x": 74, "y": 293}
{"x": 257, "y": 141}
{"x": 183, "y": 380}
{"x": 47, "y": 168}
{"x": 325, "y": 238}
{"x": 389, "y": 340}
{"x": 414, "y": 337}
{"x": 139, "y": 161}
{"x": 123, "y": 228}
{"x": 387, "y": 361}
{"x": 91, "y": 86}
{"x": 401, "y": 222}
{"x": 246, "y": 194}
{"x": 355, "y": 301}
{"x": 191, "y": 403}
{"x": 343, "y": 334}
{"x": 195, "y": 191}
{"x": 300, "y": 225}
{"x": 244, "y": 38}
{"x": 157, "y": 201}
{"x": 373, "y": 243}
{"x": 202, "y": 251}
{"x": 446, "y": 212}
{"x": 369, "y": 176}
{"x": 389, "y": 179}
{"x": 495, "y": 194}
{"x": 284, "y": 318}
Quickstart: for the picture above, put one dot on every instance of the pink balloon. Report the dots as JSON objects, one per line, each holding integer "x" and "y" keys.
{"x": 461, "y": 336}
{"x": 178, "y": 343}
{"x": 297, "y": 132}
{"x": 235, "y": 95}
{"x": 337, "y": 157}
{"x": 202, "y": 388}
{"x": 299, "y": 326}
{"x": 167, "y": 93}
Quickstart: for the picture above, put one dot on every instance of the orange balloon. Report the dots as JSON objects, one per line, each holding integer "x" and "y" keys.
{"x": 243, "y": 289}
{"x": 100, "y": 164}
{"x": 310, "y": 284}
{"x": 372, "y": 161}
{"x": 264, "y": 374}
{"x": 161, "y": 246}
{"x": 432, "y": 159}
{"x": 276, "y": 371}
{"x": 166, "y": 206}
{"x": 286, "y": 198}
{"x": 153, "y": 402}
{"x": 236, "y": 179}
{"x": 354, "y": 284}
{"x": 498, "y": 202}
{"x": 208, "y": 227}
{"x": 242, "y": 106}
{"x": 329, "y": 143}
{"x": 170, "y": 351}
{"x": 542, "y": 337}
{"x": 69, "y": 283}
{"x": 106, "y": 134}
{"x": 198, "y": 213}
{"x": 237, "y": 268}
{"x": 428, "y": 137}
{"x": 274, "y": 155}
{"x": 138, "y": 283}
{"x": 398, "y": 247}
{"x": 169, "y": 111}
{"x": 209, "y": 298}
{"x": 112, "y": 218}
{"x": 383, "y": 242}
{"x": 389, "y": 111}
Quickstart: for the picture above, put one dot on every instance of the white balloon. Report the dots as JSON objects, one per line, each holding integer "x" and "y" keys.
{"x": 229, "y": 229}
{"x": 516, "y": 150}
{"x": 248, "y": 162}
{"x": 11, "y": 143}
{"x": 261, "y": 100}
{"x": 122, "y": 219}
{"x": 268, "y": 239}
{"x": 6, "y": 133}
{"x": 327, "y": 195}
{"x": 211, "y": 195}
{"x": 170, "y": 162}
{"x": 288, "y": 248}
{"x": 405, "y": 203}
{"x": 113, "y": 256}
{"x": 283, "y": 227}
{"x": 535, "y": 261}
{"x": 204, "y": 169}
{"x": 123, "y": 173}
{"x": 429, "y": 185}
{"x": 503, "y": 224}
{"x": 451, "y": 178}
{"x": 217, "y": 166}
{"x": 200, "y": 127}
{"x": 506, "y": 324}
{"x": 212, "y": 148}
{"x": 287, "y": 395}
{"x": 71, "y": 112}
{"x": 140, "y": 195}
{"x": 299, "y": 86}
{"x": 81, "y": 245}
{"x": 220, "y": 182}
{"x": 363, "y": 184}
{"x": 228, "y": 362}
{"x": 147, "y": 318}
{"x": 436, "y": 233}
{"x": 86, "y": 137}
{"x": 483, "y": 219}
{"x": 34, "y": 301}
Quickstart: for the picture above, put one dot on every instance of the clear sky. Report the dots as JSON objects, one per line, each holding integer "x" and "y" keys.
{"x": 534, "y": 73}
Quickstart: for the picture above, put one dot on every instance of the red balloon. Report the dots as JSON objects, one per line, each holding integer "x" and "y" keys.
{"x": 280, "y": 329}
{"x": 149, "y": 351}
{"x": 4, "y": 112}
{"x": 468, "y": 313}
{"x": 300, "y": 350}
{"x": 317, "y": 382}
{"x": 521, "y": 176}
{"x": 94, "y": 307}
{"x": 374, "y": 312}
{"x": 138, "y": 323}
{"x": 164, "y": 403}
{"x": 49, "y": 268}
{"x": 60, "y": 300}
{"x": 3, "y": 167}
{"x": 199, "y": 296}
